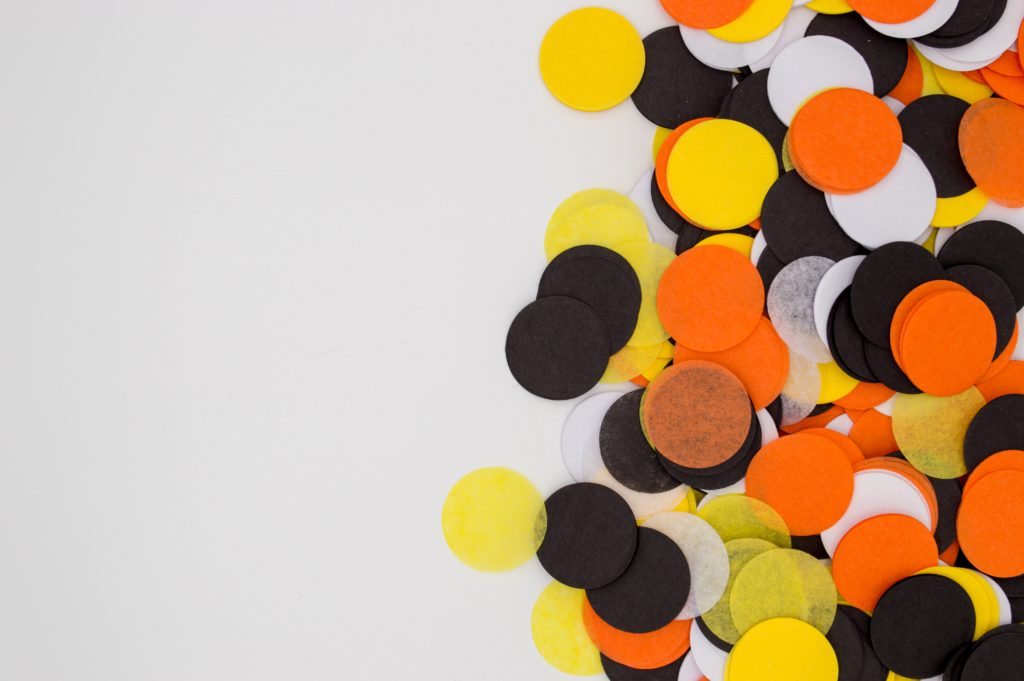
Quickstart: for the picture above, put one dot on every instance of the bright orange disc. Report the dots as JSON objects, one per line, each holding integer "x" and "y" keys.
{"x": 872, "y": 433}
{"x": 639, "y": 651}
{"x": 891, "y": 11}
{"x": 912, "y": 83}
{"x": 845, "y": 140}
{"x": 849, "y": 447}
{"x": 1002, "y": 361}
{"x": 866, "y": 396}
{"x": 1007, "y": 382}
{"x": 909, "y": 304}
{"x": 760, "y": 361}
{"x": 990, "y": 525}
{"x": 1007, "y": 87}
{"x": 697, "y": 414}
{"x": 1007, "y": 460}
{"x": 992, "y": 147}
{"x": 705, "y": 13}
{"x": 948, "y": 342}
{"x": 806, "y": 479}
{"x": 879, "y": 552}
{"x": 710, "y": 298}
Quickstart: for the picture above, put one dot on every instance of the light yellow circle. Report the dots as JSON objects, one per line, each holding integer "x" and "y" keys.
{"x": 630, "y": 362}
{"x": 835, "y": 383}
{"x": 830, "y": 6}
{"x": 597, "y": 217}
{"x": 592, "y": 59}
{"x": 960, "y": 86}
{"x": 784, "y": 583}
{"x": 559, "y": 633}
{"x": 736, "y": 516}
{"x": 741, "y": 243}
{"x": 930, "y": 430}
{"x": 929, "y": 83}
{"x": 655, "y": 369}
{"x": 660, "y": 134}
{"x": 649, "y": 261}
{"x": 986, "y": 608}
{"x": 719, "y": 618}
{"x": 760, "y": 19}
{"x": 782, "y": 649}
{"x": 956, "y": 210}
{"x": 719, "y": 173}
{"x": 494, "y": 519}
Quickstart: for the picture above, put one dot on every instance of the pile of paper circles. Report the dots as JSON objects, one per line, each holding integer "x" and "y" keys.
{"x": 797, "y": 447}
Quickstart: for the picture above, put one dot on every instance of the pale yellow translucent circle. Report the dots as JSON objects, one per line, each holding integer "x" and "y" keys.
{"x": 930, "y": 430}
{"x": 494, "y": 519}
{"x": 736, "y": 516}
{"x": 630, "y": 362}
{"x": 784, "y": 583}
{"x": 559, "y": 633}
{"x": 592, "y": 59}
{"x": 596, "y": 217}
{"x": 649, "y": 261}
{"x": 719, "y": 618}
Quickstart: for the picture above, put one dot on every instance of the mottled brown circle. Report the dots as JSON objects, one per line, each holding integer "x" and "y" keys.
{"x": 697, "y": 414}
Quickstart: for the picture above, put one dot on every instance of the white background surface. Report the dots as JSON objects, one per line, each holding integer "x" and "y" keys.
{"x": 257, "y": 264}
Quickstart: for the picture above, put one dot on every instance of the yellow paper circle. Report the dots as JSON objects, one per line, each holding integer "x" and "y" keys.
{"x": 736, "y": 516}
{"x": 782, "y": 649}
{"x": 719, "y": 172}
{"x": 559, "y": 633}
{"x": 956, "y": 210}
{"x": 930, "y": 430}
{"x": 649, "y": 261}
{"x": 835, "y": 383}
{"x": 784, "y": 583}
{"x": 719, "y": 618}
{"x": 960, "y": 86}
{"x": 597, "y": 217}
{"x": 592, "y": 59}
{"x": 760, "y": 19}
{"x": 494, "y": 519}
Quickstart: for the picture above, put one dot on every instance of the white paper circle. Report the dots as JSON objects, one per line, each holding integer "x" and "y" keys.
{"x": 842, "y": 424}
{"x": 984, "y": 49}
{"x": 810, "y": 65}
{"x": 899, "y": 208}
{"x": 800, "y": 394}
{"x": 641, "y": 196}
{"x": 832, "y": 285}
{"x": 582, "y": 423}
{"x": 878, "y": 492}
{"x": 723, "y": 55}
{"x": 708, "y": 657}
{"x": 689, "y": 671}
{"x": 793, "y": 29}
{"x": 757, "y": 248}
{"x": 705, "y": 555}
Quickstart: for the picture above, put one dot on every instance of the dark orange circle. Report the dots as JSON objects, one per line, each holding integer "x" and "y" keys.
{"x": 990, "y": 525}
{"x": 760, "y": 361}
{"x": 705, "y": 13}
{"x": 697, "y": 414}
{"x": 845, "y": 140}
{"x": 877, "y": 553}
{"x": 1006, "y": 460}
{"x": 710, "y": 298}
{"x": 639, "y": 651}
{"x": 947, "y": 343}
{"x": 992, "y": 148}
{"x": 891, "y": 11}
{"x": 806, "y": 478}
